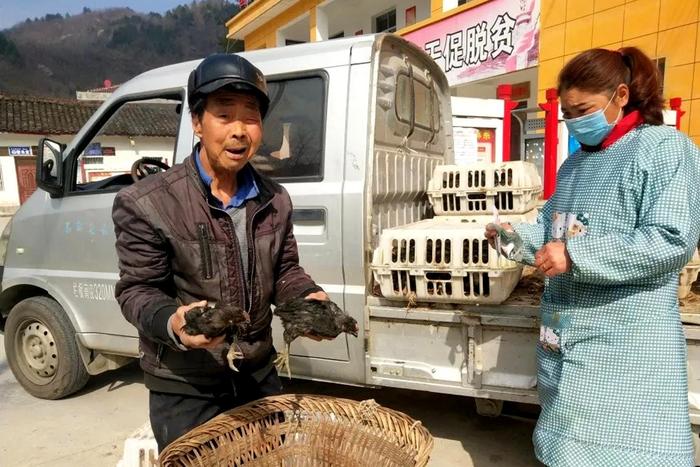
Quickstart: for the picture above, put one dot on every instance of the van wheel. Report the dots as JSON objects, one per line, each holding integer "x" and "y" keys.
{"x": 42, "y": 351}
{"x": 488, "y": 407}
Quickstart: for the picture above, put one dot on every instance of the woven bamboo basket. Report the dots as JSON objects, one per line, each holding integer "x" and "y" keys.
{"x": 304, "y": 430}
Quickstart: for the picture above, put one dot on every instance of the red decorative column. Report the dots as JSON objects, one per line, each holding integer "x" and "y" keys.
{"x": 551, "y": 139}
{"x": 676, "y": 103}
{"x": 504, "y": 92}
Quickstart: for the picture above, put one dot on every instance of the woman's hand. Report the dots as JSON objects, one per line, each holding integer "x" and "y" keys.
{"x": 492, "y": 232}
{"x": 553, "y": 259}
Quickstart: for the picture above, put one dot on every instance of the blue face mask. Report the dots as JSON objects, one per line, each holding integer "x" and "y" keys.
{"x": 591, "y": 129}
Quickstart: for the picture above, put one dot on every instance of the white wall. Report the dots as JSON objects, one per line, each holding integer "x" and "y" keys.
{"x": 486, "y": 89}
{"x": 9, "y": 195}
{"x": 125, "y": 156}
{"x": 422, "y": 11}
{"x": 297, "y": 30}
{"x": 447, "y": 5}
{"x": 350, "y": 16}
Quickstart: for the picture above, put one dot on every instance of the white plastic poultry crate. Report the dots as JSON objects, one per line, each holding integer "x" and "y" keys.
{"x": 443, "y": 260}
{"x": 688, "y": 276}
{"x": 511, "y": 187}
{"x": 140, "y": 449}
{"x": 442, "y": 242}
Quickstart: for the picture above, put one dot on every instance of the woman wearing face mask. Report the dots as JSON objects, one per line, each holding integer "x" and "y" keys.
{"x": 623, "y": 222}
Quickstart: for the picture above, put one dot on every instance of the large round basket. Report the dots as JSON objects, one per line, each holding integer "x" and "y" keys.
{"x": 304, "y": 430}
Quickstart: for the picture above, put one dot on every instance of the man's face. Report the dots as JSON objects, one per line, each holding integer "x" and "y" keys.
{"x": 230, "y": 130}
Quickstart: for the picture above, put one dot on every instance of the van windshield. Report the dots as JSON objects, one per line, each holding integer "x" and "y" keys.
{"x": 136, "y": 130}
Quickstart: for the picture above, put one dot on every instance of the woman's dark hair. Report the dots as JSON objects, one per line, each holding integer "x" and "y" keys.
{"x": 602, "y": 70}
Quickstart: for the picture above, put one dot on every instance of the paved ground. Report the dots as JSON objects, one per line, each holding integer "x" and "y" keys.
{"x": 89, "y": 428}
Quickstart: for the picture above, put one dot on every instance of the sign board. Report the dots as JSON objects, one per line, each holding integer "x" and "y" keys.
{"x": 20, "y": 150}
{"x": 497, "y": 37}
{"x": 474, "y": 145}
{"x": 465, "y": 145}
{"x": 93, "y": 149}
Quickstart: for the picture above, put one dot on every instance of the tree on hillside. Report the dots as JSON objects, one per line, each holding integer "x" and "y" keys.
{"x": 117, "y": 43}
{"x": 8, "y": 50}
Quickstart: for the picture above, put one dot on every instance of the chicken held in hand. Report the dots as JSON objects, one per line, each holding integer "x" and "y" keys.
{"x": 218, "y": 321}
{"x": 312, "y": 318}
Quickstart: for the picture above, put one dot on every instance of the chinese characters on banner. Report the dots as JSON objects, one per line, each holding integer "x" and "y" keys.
{"x": 497, "y": 37}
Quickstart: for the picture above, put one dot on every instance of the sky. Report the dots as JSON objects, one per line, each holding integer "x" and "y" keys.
{"x": 16, "y": 11}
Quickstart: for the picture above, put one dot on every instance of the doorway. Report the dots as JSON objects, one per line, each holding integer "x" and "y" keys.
{"x": 26, "y": 177}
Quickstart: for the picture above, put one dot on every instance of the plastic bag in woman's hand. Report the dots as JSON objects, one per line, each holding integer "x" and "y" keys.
{"x": 508, "y": 243}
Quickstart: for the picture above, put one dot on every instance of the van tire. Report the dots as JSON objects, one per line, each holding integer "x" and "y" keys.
{"x": 42, "y": 350}
{"x": 488, "y": 407}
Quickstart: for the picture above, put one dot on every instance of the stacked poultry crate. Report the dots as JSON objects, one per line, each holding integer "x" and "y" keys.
{"x": 447, "y": 259}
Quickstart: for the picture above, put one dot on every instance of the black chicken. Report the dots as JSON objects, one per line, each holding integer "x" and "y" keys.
{"x": 321, "y": 318}
{"x": 218, "y": 321}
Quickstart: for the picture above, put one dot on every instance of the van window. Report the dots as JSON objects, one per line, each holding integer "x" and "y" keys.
{"x": 136, "y": 130}
{"x": 425, "y": 103}
{"x": 403, "y": 98}
{"x": 292, "y": 148}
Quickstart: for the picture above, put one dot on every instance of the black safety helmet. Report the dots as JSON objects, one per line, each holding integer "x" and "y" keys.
{"x": 227, "y": 70}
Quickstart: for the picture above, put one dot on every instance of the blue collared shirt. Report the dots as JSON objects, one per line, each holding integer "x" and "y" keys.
{"x": 247, "y": 187}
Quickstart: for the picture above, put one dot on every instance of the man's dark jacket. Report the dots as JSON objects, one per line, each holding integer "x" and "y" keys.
{"x": 175, "y": 248}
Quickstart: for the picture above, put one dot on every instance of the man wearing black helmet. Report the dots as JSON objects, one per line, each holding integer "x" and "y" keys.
{"x": 210, "y": 230}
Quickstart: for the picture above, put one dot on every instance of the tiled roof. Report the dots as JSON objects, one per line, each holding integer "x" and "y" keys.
{"x": 48, "y": 116}
{"x": 144, "y": 120}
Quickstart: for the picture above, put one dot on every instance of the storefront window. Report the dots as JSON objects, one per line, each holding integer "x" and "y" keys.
{"x": 386, "y": 22}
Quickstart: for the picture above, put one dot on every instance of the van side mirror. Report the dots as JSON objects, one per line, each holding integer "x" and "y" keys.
{"x": 49, "y": 167}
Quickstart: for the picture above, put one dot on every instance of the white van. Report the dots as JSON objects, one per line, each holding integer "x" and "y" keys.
{"x": 355, "y": 128}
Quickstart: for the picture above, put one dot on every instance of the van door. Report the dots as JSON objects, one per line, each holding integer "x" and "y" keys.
{"x": 412, "y": 134}
{"x": 303, "y": 149}
{"x": 73, "y": 236}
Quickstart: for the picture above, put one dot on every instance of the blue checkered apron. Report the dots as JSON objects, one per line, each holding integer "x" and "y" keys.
{"x": 614, "y": 388}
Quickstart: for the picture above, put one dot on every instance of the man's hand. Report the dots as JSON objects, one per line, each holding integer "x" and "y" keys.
{"x": 320, "y": 295}
{"x": 200, "y": 341}
{"x": 323, "y": 296}
{"x": 553, "y": 259}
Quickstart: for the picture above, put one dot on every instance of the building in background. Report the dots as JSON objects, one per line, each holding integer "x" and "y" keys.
{"x": 483, "y": 43}
{"x": 479, "y": 44}
{"x": 97, "y": 94}
{"x": 136, "y": 130}
{"x": 667, "y": 30}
